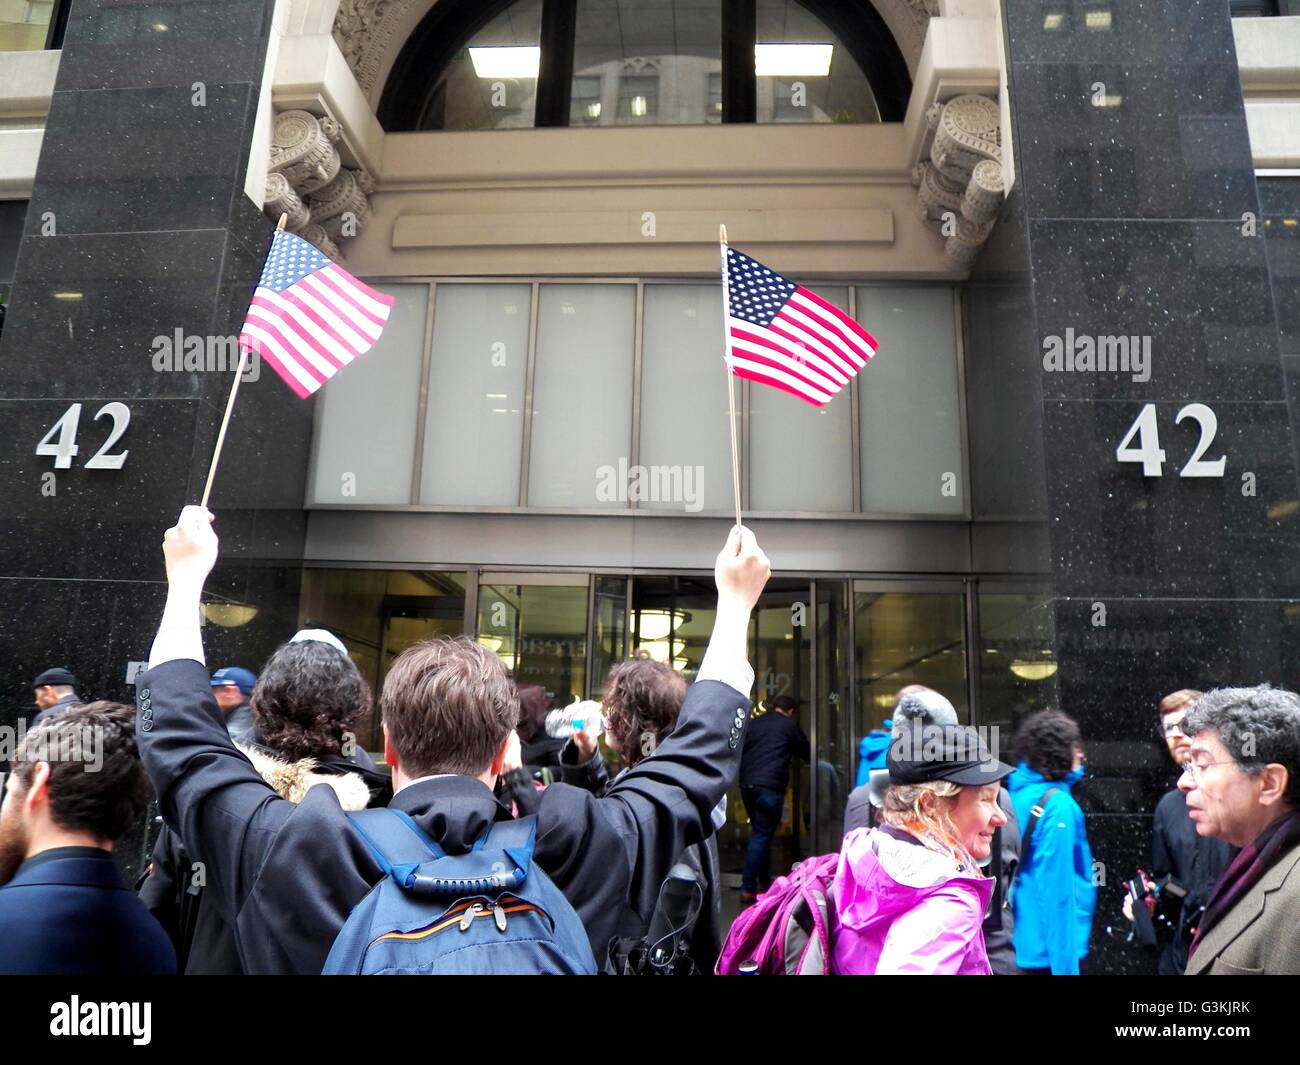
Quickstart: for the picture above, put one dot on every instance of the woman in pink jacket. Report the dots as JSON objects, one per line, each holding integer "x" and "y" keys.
{"x": 909, "y": 894}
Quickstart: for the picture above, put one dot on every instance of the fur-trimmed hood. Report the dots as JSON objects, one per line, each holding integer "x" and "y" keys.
{"x": 292, "y": 780}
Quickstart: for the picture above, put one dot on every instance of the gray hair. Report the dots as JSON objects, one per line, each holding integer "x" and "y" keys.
{"x": 1256, "y": 726}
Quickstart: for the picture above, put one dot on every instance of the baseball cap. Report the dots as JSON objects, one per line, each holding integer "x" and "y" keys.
{"x": 920, "y": 754}
{"x": 242, "y": 679}
{"x": 57, "y": 675}
{"x": 320, "y": 636}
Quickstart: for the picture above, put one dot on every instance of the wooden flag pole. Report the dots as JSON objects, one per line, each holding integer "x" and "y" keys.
{"x": 731, "y": 390}
{"x": 230, "y": 404}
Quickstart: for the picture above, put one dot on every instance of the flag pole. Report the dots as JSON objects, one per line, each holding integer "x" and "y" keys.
{"x": 230, "y": 404}
{"x": 731, "y": 391}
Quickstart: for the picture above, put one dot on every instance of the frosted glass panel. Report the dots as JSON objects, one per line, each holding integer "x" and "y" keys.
{"x": 907, "y": 399}
{"x": 684, "y": 441}
{"x": 582, "y": 395}
{"x": 365, "y": 433}
{"x": 475, "y": 413}
{"x": 802, "y": 456}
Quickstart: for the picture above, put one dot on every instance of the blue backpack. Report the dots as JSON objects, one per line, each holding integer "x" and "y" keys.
{"x": 485, "y": 912}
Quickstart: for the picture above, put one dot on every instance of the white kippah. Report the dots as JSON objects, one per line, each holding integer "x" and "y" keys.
{"x": 320, "y": 636}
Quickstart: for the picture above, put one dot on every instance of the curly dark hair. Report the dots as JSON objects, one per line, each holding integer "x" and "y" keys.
{"x": 307, "y": 697}
{"x": 642, "y": 698}
{"x": 1046, "y": 741}
{"x": 1257, "y": 726}
{"x": 96, "y": 784}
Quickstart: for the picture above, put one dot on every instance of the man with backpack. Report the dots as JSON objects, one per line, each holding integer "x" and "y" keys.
{"x": 407, "y": 889}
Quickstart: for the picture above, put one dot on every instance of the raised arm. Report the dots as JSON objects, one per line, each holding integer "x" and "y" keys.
{"x": 208, "y": 792}
{"x": 664, "y": 803}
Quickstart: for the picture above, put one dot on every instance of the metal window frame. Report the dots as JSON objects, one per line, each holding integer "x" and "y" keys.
{"x": 630, "y": 509}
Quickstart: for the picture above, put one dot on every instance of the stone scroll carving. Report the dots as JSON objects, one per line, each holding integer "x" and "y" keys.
{"x": 959, "y": 188}
{"x": 326, "y": 202}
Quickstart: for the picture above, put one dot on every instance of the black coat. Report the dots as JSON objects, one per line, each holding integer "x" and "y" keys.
{"x": 286, "y": 875}
{"x": 772, "y": 740}
{"x": 706, "y": 939}
{"x": 67, "y": 912}
{"x": 1195, "y": 861}
{"x": 174, "y": 893}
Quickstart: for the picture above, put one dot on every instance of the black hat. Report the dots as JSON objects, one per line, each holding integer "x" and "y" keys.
{"x": 55, "y": 676}
{"x": 955, "y": 753}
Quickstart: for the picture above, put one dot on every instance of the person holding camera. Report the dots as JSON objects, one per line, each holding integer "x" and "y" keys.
{"x": 1180, "y": 858}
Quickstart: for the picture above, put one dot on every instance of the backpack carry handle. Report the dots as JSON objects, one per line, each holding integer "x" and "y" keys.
{"x": 400, "y": 848}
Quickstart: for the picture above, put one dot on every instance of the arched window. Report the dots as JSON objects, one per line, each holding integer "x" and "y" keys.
{"x": 474, "y": 65}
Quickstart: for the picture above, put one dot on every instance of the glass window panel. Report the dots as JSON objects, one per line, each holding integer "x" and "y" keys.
{"x": 801, "y": 455}
{"x": 539, "y": 631}
{"x": 908, "y": 403}
{"x": 684, "y": 398}
{"x": 652, "y": 59}
{"x": 609, "y": 629}
{"x": 1017, "y": 671}
{"x": 475, "y": 413}
{"x": 903, "y": 638}
{"x": 492, "y": 82}
{"x": 24, "y": 24}
{"x": 805, "y": 74}
{"x": 582, "y": 396}
{"x": 836, "y": 756}
{"x": 378, "y": 614}
{"x": 365, "y": 432}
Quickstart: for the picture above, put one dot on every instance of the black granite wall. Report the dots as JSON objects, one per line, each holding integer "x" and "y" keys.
{"x": 1135, "y": 176}
{"x": 138, "y": 226}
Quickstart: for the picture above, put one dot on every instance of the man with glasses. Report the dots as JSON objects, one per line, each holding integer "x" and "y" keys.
{"x": 1241, "y": 779}
{"x": 1192, "y": 861}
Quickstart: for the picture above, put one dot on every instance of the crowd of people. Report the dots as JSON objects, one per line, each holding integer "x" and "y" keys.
{"x": 495, "y": 842}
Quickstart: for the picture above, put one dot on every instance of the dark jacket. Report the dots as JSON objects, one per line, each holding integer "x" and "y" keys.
{"x": 706, "y": 939}
{"x": 70, "y": 700}
{"x": 67, "y": 912}
{"x": 772, "y": 740}
{"x": 999, "y": 922}
{"x": 1194, "y": 861}
{"x": 174, "y": 888}
{"x": 286, "y": 875}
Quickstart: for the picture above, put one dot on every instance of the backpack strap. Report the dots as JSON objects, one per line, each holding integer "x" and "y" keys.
{"x": 517, "y": 838}
{"x": 397, "y": 843}
{"x": 1027, "y": 840}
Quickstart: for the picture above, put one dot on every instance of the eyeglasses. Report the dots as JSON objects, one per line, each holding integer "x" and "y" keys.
{"x": 1196, "y": 769}
{"x": 1174, "y": 727}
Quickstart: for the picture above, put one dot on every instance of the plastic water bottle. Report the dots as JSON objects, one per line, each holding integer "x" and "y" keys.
{"x": 586, "y": 716}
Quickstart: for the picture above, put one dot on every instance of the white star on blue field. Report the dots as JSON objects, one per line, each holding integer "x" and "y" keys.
{"x": 757, "y": 293}
{"x": 290, "y": 260}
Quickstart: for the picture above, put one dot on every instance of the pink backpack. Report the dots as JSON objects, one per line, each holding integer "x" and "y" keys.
{"x": 788, "y": 931}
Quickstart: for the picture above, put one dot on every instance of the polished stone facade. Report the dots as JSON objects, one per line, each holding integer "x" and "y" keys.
{"x": 1135, "y": 189}
{"x": 138, "y": 226}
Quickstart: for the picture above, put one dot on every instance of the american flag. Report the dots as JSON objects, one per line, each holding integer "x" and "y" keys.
{"x": 309, "y": 317}
{"x": 784, "y": 336}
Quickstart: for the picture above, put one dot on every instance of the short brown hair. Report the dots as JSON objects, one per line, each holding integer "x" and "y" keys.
{"x": 643, "y": 699}
{"x": 96, "y": 784}
{"x": 1184, "y": 699}
{"x": 448, "y": 704}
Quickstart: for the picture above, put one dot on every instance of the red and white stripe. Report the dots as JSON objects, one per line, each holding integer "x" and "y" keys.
{"x": 811, "y": 349}
{"x": 314, "y": 328}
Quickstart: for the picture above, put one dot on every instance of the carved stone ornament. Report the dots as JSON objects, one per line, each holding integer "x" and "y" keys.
{"x": 325, "y": 201}
{"x": 365, "y": 31}
{"x": 959, "y": 188}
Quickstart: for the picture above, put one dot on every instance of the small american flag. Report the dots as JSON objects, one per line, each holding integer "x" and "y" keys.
{"x": 784, "y": 336}
{"x": 309, "y": 317}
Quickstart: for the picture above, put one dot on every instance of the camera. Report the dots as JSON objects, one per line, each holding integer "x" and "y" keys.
{"x": 1157, "y": 910}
